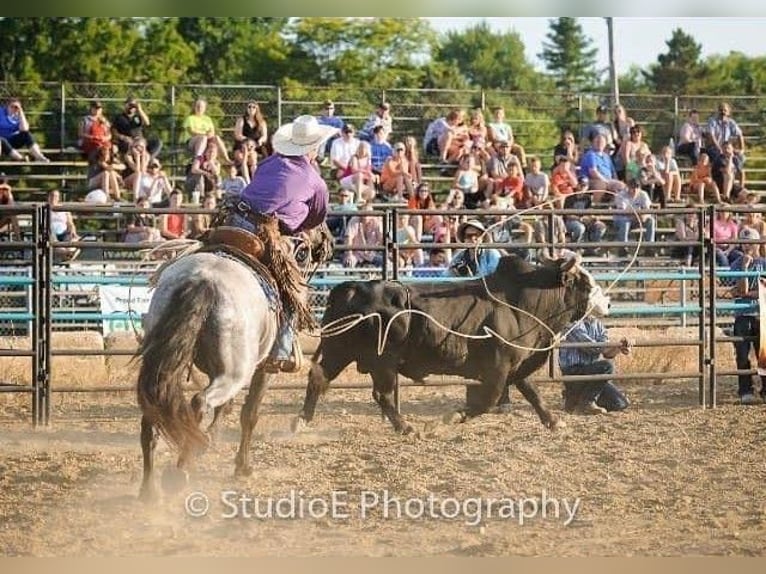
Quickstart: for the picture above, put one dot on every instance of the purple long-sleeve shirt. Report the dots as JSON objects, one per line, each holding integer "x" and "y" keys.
{"x": 289, "y": 188}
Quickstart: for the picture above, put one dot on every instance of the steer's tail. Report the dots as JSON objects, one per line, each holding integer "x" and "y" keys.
{"x": 167, "y": 353}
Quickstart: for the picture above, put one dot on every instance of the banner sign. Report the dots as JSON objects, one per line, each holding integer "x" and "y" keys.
{"x": 126, "y": 303}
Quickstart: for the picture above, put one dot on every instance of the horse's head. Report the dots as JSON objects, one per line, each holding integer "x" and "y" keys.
{"x": 317, "y": 248}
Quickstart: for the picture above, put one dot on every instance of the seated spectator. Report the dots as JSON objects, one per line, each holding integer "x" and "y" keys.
{"x": 200, "y": 129}
{"x": 363, "y": 231}
{"x": 204, "y": 174}
{"x": 544, "y": 232}
{"x": 95, "y": 132}
{"x": 583, "y": 227}
{"x": 467, "y": 180}
{"x": 233, "y": 183}
{"x": 9, "y": 224}
{"x": 199, "y": 223}
{"x": 141, "y": 226}
{"x": 621, "y": 124}
{"x": 62, "y": 227}
{"x": 424, "y": 224}
{"x": 633, "y": 198}
{"x": 603, "y": 127}
{"x": 343, "y": 148}
{"x": 563, "y": 180}
{"x": 477, "y": 129}
{"x": 597, "y": 166}
{"x": 687, "y": 229}
{"x": 652, "y": 181}
{"x": 511, "y": 193}
{"x": 591, "y": 397}
{"x": 337, "y": 219}
{"x": 412, "y": 156}
{"x": 395, "y": 179}
{"x": 405, "y": 235}
{"x": 380, "y": 117}
{"x": 251, "y": 125}
{"x": 136, "y": 160}
{"x": 481, "y": 161}
{"x": 690, "y": 137}
{"x": 728, "y": 174}
{"x": 436, "y": 132}
{"x": 104, "y": 173}
{"x": 153, "y": 184}
{"x": 15, "y": 134}
{"x": 360, "y": 177}
{"x": 536, "y": 184}
{"x": 567, "y": 147}
{"x": 245, "y": 160}
{"x": 379, "y": 149}
{"x": 499, "y": 131}
{"x": 453, "y": 137}
{"x": 498, "y": 168}
{"x": 630, "y": 157}
{"x": 701, "y": 180}
{"x": 474, "y": 260}
{"x": 514, "y": 231}
{"x": 328, "y": 118}
{"x": 129, "y": 125}
{"x": 754, "y": 220}
{"x": 174, "y": 225}
{"x": 720, "y": 129}
{"x": 725, "y": 233}
{"x": 668, "y": 168}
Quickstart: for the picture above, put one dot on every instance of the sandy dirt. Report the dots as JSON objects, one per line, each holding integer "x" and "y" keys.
{"x": 663, "y": 478}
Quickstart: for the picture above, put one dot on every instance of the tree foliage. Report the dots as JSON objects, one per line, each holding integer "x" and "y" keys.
{"x": 569, "y": 55}
{"x": 678, "y": 68}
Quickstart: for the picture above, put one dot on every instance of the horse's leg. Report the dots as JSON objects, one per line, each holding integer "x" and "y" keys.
{"x": 219, "y": 413}
{"x": 148, "y": 444}
{"x": 383, "y": 381}
{"x": 319, "y": 379}
{"x": 248, "y": 419}
{"x": 189, "y": 451}
{"x": 530, "y": 393}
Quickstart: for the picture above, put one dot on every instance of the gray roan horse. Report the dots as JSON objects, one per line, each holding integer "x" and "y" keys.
{"x": 213, "y": 312}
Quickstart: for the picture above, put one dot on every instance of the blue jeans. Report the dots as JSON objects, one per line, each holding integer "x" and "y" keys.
{"x": 624, "y": 226}
{"x": 603, "y": 393}
{"x": 747, "y": 326}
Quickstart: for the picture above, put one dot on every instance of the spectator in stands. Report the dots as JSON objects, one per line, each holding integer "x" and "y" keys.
{"x": 360, "y": 178}
{"x": 437, "y": 130}
{"x": 251, "y": 125}
{"x": 199, "y": 129}
{"x": 424, "y": 224}
{"x": 379, "y": 149}
{"x": 701, "y": 180}
{"x": 141, "y": 226}
{"x": 136, "y": 160}
{"x": 725, "y": 233}
{"x": 153, "y": 184}
{"x": 512, "y": 190}
{"x": 603, "y": 127}
{"x": 95, "y": 132}
{"x": 501, "y": 131}
{"x": 129, "y": 125}
{"x": 567, "y": 147}
{"x": 591, "y": 397}
{"x": 233, "y": 183}
{"x": 629, "y": 199}
{"x": 406, "y": 235}
{"x": 544, "y": 232}
{"x": 338, "y": 219}
{"x": 9, "y": 224}
{"x": 563, "y": 180}
{"x": 174, "y": 225}
{"x": 62, "y": 227}
{"x": 687, "y": 228}
{"x": 453, "y": 137}
{"x": 104, "y": 173}
{"x": 342, "y": 149}
{"x": 747, "y": 321}
{"x": 690, "y": 137}
{"x": 467, "y": 180}
{"x": 721, "y": 128}
{"x": 652, "y": 180}
{"x": 15, "y": 134}
{"x": 473, "y": 261}
{"x": 328, "y": 118}
{"x": 583, "y": 227}
{"x": 728, "y": 173}
{"x": 412, "y": 156}
{"x": 621, "y": 124}
{"x": 380, "y": 117}
{"x": 498, "y": 168}
{"x": 597, "y": 166}
{"x": 245, "y": 160}
{"x": 668, "y": 168}
{"x": 199, "y": 223}
{"x": 204, "y": 173}
{"x": 363, "y": 231}
{"x": 754, "y": 220}
{"x": 629, "y": 158}
{"x": 536, "y": 183}
{"x": 514, "y": 231}
{"x": 477, "y": 129}
{"x": 395, "y": 179}
{"x": 481, "y": 158}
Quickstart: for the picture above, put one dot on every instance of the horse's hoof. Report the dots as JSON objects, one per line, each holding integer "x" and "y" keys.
{"x": 243, "y": 471}
{"x": 556, "y": 424}
{"x": 174, "y": 480}
{"x": 406, "y": 429}
{"x": 298, "y": 424}
{"x": 147, "y": 494}
{"x": 454, "y": 418}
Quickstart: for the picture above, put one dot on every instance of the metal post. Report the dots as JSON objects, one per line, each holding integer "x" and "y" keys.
{"x": 392, "y": 247}
{"x": 712, "y": 370}
{"x": 62, "y": 119}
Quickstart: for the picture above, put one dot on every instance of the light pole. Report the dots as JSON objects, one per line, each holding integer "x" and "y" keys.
{"x": 612, "y": 64}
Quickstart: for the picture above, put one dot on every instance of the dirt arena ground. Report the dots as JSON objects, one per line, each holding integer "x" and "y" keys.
{"x": 663, "y": 478}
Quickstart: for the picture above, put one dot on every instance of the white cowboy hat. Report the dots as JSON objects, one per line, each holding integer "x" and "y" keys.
{"x": 301, "y": 136}
{"x": 470, "y": 223}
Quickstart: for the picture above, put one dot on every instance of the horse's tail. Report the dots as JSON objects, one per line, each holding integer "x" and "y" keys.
{"x": 167, "y": 354}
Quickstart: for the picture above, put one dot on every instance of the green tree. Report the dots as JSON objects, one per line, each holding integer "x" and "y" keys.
{"x": 569, "y": 55}
{"x": 488, "y": 59}
{"x": 677, "y": 69}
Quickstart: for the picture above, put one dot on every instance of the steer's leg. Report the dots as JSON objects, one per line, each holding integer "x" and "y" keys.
{"x": 383, "y": 380}
{"x": 485, "y": 396}
{"x": 321, "y": 374}
{"x": 530, "y": 393}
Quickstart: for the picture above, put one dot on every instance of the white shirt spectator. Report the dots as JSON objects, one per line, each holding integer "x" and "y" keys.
{"x": 342, "y": 150}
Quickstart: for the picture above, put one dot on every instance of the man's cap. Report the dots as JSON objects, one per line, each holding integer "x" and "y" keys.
{"x": 602, "y": 109}
{"x": 329, "y": 104}
{"x": 748, "y": 233}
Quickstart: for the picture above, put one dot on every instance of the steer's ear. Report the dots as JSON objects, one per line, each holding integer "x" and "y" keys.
{"x": 569, "y": 270}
